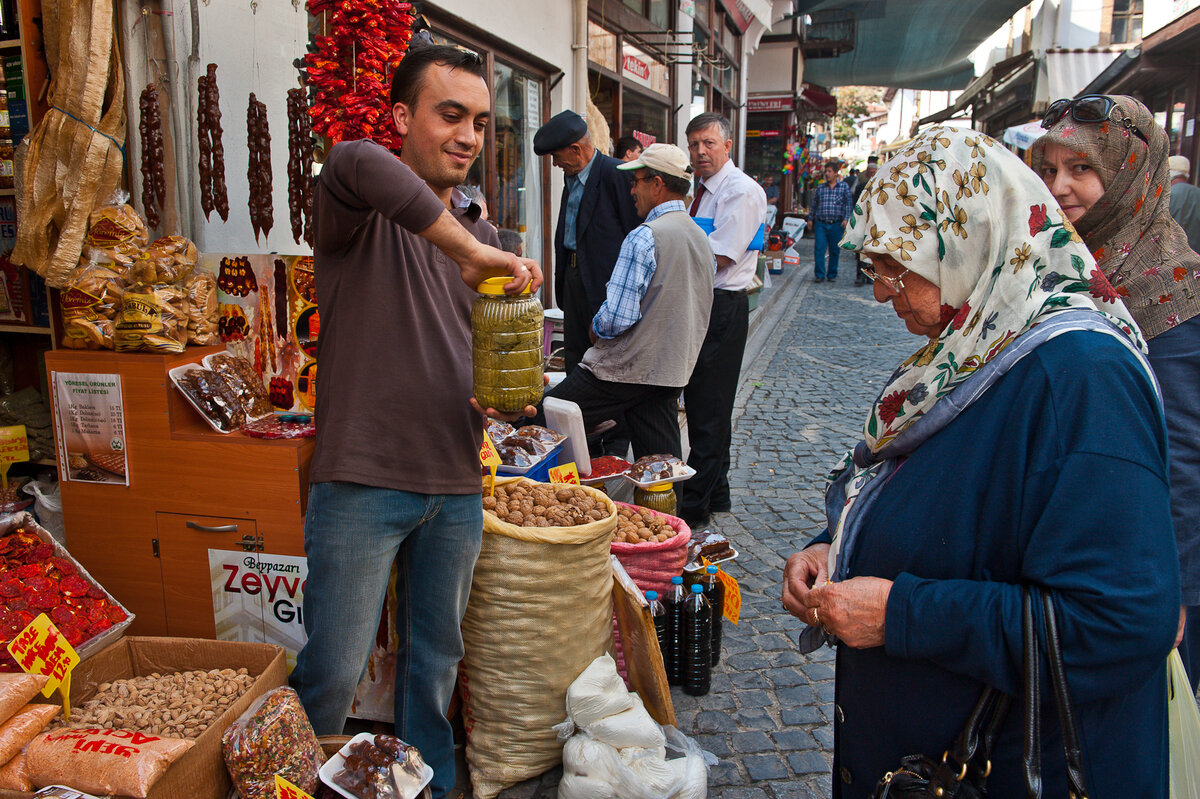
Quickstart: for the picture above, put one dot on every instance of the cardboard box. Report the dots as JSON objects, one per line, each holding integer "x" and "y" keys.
{"x": 200, "y": 773}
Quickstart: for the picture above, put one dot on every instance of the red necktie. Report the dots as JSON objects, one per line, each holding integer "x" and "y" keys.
{"x": 696, "y": 202}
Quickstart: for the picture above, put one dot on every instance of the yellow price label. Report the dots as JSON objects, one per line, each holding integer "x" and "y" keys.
{"x": 14, "y": 448}
{"x": 286, "y": 790}
{"x": 41, "y": 649}
{"x": 488, "y": 455}
{"x": 566, "y": 474}
{"x": 733, "y": 597}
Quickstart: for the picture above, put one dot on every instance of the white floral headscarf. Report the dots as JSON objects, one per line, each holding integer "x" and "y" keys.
{"x": 963, "y": 212}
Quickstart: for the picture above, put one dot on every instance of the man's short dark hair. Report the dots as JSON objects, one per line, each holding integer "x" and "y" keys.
{"x": 626, "y": 145}
{"x": 707, "y": 120}
{"x": 409, "y": 78}
{"x": 510, "y": 240}
{"x": 674, "y": 184}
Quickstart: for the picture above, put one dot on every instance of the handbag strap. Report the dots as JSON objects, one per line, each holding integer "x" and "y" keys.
{"x": 1031, "y": 748}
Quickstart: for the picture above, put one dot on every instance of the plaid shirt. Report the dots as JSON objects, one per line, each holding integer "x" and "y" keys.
{"x": 631, "y": 277}
{"x": 832, "y": 203}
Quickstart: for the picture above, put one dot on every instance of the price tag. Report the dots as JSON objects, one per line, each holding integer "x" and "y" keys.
{"x": 567, "y": 474}
{"x": 733, "y": 597}
{"x": 285, "y": 790}
{"x": 490, "y": 458}
{"x": 41, "y": 649}
{"x": 14, "y": 448}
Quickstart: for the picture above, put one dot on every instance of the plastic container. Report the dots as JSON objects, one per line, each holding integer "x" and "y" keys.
{"x": 659, "y": 614}
{"x": 539, "y": 471}
{"x": 506, "y": 344}
{"x": 714, "y": 592}
{"x": 697, "y": 643}
{"x": 332, "y": 766}
{"x": 565, "y": 417}
{"x": 673, "y": 657}
{"x": 659, "y": 497}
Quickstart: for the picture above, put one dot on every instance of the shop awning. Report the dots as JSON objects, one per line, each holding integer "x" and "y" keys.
{"x": 1062, "y": 73}
{"x": 1023, "y": 136}
{"x": 819, "y": 101}
{"x": 999, "y": 74}
{"x": 913, "y": 44}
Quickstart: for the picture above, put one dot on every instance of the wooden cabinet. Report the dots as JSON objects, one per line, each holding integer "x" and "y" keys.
{"x": 189, "y": 487}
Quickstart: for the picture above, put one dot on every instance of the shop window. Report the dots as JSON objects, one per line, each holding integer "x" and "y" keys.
{"x": 518, "y": 189}
{"x": 703, "y": 9}
{"x": 602, "y": 47}
{"x": 1126, "y": 21}
{"x": 658, "y": 13}
{"x": 644, "y": 115}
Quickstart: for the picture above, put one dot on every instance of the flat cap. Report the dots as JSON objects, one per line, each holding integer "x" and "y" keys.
{"x": 564, "y": 129}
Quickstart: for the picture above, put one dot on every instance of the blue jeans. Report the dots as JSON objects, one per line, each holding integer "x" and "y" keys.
{"x": 828, "y": 235}
{"x": 352, "y": 533}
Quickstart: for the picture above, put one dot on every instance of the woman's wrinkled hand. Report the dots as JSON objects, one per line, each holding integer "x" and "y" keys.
{"x": 854, "y": 610}
{"x": 804, "y": 570}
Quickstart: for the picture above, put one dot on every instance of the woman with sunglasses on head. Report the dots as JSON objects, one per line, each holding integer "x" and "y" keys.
{"x": 1105, "y": 159}
{"x": 1021, "y": 445}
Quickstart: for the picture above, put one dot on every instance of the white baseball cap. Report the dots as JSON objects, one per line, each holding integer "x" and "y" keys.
{"x": 1179, "y": 163}
{"x": 665, "y": 158}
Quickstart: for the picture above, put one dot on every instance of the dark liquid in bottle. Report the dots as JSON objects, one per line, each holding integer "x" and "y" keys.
{"x": 697, "y": 645}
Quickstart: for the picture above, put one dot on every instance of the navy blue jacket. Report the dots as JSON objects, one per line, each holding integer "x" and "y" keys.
{"x": 1055, "y": 477}
{"x": 606, "y": 215}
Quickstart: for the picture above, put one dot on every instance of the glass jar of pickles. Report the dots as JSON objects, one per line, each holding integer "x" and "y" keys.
{"x": 659, "y": 497}
{"x": 506, "y": 341}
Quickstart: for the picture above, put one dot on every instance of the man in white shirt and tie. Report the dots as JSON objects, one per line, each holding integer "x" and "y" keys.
{"x": 737, "y": 206}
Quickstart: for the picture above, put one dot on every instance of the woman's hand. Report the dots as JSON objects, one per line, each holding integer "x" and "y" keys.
{"x": 804, "y": 570}
{"x": 854, "y": 610}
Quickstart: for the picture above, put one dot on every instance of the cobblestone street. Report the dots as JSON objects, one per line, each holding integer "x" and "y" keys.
{"x": 816, "y": 357}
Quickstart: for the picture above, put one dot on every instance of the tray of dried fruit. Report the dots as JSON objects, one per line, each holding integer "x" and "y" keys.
{"x": 38, "y": 575}
{"x": 650, "y": 470}
{"x": 720, "y": 550}
{"x": 605, "y": 467}
{"x": 525, "y": 449}
{"x": 357, "y": 767}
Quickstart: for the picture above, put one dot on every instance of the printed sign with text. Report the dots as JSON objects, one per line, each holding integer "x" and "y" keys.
{"x": 89, "y": 423}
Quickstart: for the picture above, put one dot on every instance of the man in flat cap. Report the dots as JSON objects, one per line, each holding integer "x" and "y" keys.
{"x": 647, "y": 333}
{"x": 595, "y": 215}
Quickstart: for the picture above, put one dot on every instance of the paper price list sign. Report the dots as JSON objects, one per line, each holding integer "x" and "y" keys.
{"x": 41, "y": 649}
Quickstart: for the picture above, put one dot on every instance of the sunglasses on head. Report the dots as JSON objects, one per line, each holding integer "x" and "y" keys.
{"x": 1090, "y": 109}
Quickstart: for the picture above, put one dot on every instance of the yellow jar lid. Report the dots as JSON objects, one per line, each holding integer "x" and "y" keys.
{"x": 659, "y": 487}
{"x": 495, "y": 286}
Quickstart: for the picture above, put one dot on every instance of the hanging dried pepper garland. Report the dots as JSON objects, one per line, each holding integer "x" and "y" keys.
{"x": 300, "y": 163}
{"x": 350, "y": 69}
{"x": 154, "y": 181}
{"x": 213, "y": 194}
{"x": 258, "y": 140}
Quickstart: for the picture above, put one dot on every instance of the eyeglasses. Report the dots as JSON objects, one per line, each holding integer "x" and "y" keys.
{"x": 634, "y": 179}
{"x": 896, "y": 283}
{"x": 1090, "y": 109}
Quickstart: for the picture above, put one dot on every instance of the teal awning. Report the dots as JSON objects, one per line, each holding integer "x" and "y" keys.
{"x": 911, "y": 44}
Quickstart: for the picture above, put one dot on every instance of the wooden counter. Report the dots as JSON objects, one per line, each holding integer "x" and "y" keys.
{"x": 190, "y": 490}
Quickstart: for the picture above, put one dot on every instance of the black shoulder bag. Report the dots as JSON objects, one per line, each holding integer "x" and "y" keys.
{"x": 964, "y": 768}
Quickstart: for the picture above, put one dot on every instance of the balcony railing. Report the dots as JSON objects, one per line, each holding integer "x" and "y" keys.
{"x": 828, "y": 34}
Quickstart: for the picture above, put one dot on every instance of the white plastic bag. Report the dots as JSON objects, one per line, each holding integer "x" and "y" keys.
{"x": 1183, "y": 725}
{"x": 595, "y": 770}
{"x": 633, "y": 727}
{"x": 597, "y": 693}
{"x": 47, "y": 506}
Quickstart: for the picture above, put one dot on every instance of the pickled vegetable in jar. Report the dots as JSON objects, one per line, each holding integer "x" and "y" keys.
{"x": 506, "y": 342}
{"x": 659, "y": 497}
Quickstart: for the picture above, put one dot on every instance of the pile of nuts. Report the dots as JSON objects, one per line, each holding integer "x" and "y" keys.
{"x": 544, "y": 505}
{"x": 179, "y": 705}
{"x": 641, "y": 526}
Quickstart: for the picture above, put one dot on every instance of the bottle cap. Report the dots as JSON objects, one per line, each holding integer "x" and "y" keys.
{"x": 697, "y": 588}
{"x": 495, "y": 286}
{"x": 652, "y": 595}
{"x": 713, "y": 569}
{"x": 659, "y": 487}
{"x": 677, "y": 580}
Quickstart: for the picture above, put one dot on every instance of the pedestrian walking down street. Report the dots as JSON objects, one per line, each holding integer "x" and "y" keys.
{"x": 832, "y": 204}
{"x": 1021, "y": 447}
{"x": 1105, "y": 160}
{"x": 737, "y": 207}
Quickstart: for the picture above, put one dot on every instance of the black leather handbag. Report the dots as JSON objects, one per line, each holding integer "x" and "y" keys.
{"x": 963, "y": 769}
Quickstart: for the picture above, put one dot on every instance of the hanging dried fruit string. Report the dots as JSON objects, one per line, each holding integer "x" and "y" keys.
{"x": 258, "y": 174}
{"x": 300, "y": 162}
{"x": 351, "y": 67}
{"x": 154, "y": 180}
{"x": 213, "y": 194}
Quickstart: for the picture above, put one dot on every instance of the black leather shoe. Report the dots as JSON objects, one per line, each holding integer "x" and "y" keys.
{"x": 818, "y": 280}
{"x": 831, "y": 279}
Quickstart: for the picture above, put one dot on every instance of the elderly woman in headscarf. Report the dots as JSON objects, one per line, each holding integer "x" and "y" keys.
{"x": 1021, "y": 445}
{"x": 1105, "y": 161}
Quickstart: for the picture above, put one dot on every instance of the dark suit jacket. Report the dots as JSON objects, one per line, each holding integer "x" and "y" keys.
{"x": 606, "y": 215}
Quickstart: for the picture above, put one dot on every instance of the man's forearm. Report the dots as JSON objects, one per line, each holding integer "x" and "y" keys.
{"x": 448, "y": 235}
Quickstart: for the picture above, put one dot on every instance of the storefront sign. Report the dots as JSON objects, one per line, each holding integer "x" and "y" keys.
{"x": 739, "y": 14}
{"x": 768, "y": 105}
{"x": 89, "y": 424}
{"x": 41, "y": 649}
{"x": 14, "y": 448}
{"x": 259, "y": 597}
{"x": 635, "y": 67}
{"x": 688, "y": 7}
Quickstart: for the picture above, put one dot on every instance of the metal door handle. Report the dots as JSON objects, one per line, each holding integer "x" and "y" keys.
{"x": 224, "y": 528}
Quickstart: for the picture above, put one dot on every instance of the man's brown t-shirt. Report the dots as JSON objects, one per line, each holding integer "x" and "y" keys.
{"x": 394, "y": 354}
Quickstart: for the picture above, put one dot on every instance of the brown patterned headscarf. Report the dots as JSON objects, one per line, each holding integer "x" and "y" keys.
{"x": 1141, "y": 249}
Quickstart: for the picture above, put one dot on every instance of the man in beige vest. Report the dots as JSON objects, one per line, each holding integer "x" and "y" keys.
{"x": 647, "y": 334}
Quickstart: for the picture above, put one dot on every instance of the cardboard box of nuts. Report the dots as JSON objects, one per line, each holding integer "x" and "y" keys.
{"x": 200, "y": 772}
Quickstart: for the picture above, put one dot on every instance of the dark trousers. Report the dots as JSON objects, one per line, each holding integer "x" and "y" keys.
{"x": 577, "y": 314}
{"x": 650, "y": 412}
{"x": 709, "y": 399}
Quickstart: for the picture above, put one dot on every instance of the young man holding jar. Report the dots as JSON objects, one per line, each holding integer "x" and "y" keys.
{"x": 395, "y": 474}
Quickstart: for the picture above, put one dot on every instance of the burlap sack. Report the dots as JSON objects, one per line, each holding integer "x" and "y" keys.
{"x": 540, "y": 612}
